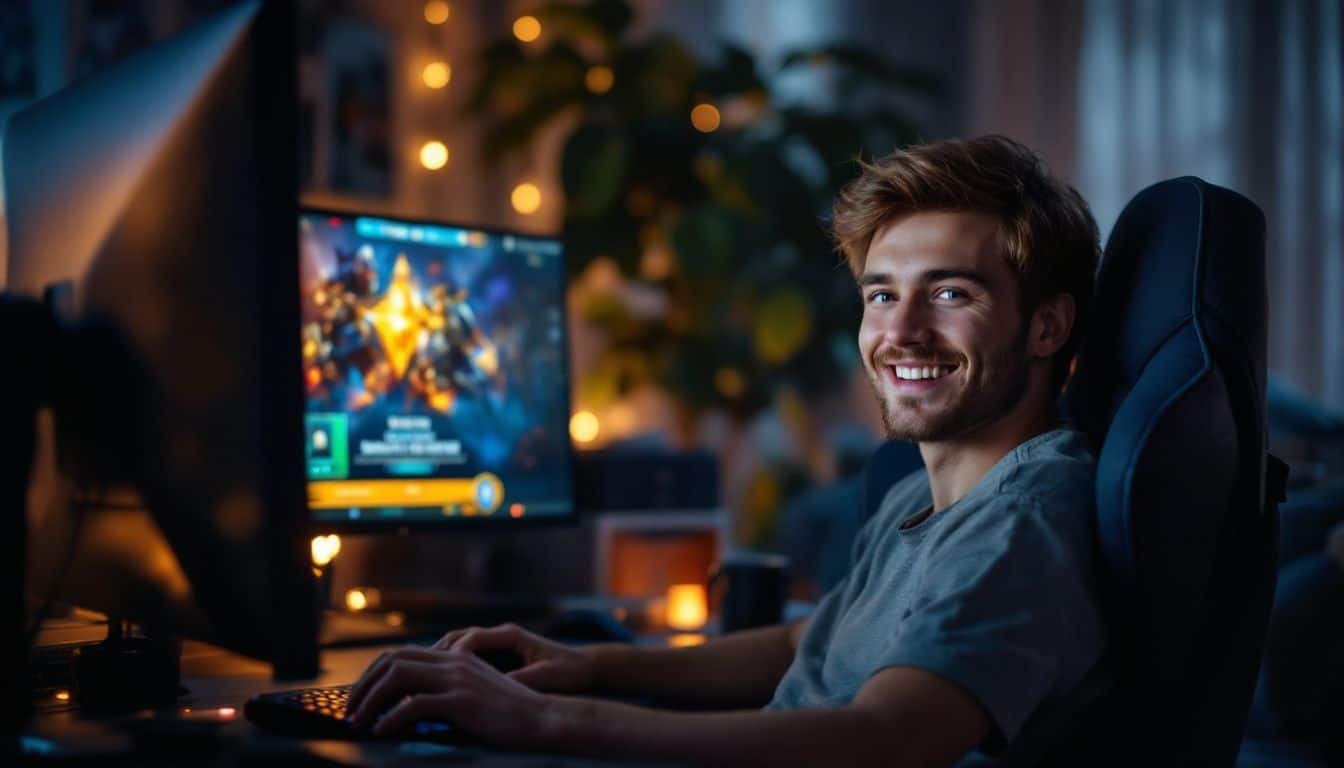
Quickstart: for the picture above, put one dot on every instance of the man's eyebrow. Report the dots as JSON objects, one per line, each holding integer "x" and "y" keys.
{"x": 934, "y": 275}
{"x": 931, "y": 276}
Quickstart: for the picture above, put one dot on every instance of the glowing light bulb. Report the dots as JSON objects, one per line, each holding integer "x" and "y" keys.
{"x": 705, "y": 118}
{"x": 583, "y": 427}
{"x": 437, "y": 74}
{"x": 527, "y": 28}
{"x": 62, "y": 695}
{"x": 526, "y": 198}
{"x": 325, "y": 549}
{"x": 599, "y": 79}
{"x": 437, "y": 11}
{"x": 433, "y": 155}
{"x": 686, "y": 606}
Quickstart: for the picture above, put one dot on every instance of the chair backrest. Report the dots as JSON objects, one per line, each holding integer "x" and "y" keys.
{"x": 1170, "y": 386}
{"x": 892, "y": 461}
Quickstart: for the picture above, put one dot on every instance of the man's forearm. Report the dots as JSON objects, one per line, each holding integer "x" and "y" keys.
{"x": 844, "y": 736}
{"x": 741, "y": 669}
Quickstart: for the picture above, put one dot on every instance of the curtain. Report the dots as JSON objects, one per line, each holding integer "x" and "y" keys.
{"x": 1246, "y": 95}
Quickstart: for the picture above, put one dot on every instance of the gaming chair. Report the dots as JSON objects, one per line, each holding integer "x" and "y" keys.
{"x": 1170, "y": 387}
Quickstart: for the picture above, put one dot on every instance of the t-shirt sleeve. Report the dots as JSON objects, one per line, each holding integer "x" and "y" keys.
{"x": 1006, "y": 612}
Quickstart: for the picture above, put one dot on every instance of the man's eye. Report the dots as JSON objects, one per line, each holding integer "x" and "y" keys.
{"x": 880, "y": 297}
{"x": 950, "y": 294}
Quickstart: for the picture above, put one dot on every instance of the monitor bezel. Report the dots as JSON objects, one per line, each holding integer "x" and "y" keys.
{"x": 461, "y": 523}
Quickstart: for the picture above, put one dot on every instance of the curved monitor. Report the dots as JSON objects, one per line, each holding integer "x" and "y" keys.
{"x": 435, "y": 370}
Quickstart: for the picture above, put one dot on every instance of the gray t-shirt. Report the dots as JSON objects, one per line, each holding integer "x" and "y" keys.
{"x": 996, "y": 593}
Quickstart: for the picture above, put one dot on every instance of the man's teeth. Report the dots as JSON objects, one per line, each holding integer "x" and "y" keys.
{"x": 922, "y": 372}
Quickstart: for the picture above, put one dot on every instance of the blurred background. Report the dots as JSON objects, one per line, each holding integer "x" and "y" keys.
{"x": 688, "y": 152}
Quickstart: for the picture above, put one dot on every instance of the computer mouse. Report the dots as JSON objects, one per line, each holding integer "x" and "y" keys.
{"x": 587, "y": 626}
{"x": 503, "y": 659}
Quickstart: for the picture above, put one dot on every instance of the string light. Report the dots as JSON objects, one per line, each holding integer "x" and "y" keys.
{"x": 526, "y": 198}
{"x": 356, "y": 600}
{"x": 433, "y": 155}
{"x": 599, "y": 79}
{"x": 583, "y": 427}
{"x": 527, "y": 28}
{"x": 436, "y": 74}
{"x": 705, "y": 118}
{"x": 325, "y": 549}
{"x": 437, "y": 11}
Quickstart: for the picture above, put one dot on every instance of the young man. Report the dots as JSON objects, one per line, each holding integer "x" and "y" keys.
{"x": 970, "y": 614}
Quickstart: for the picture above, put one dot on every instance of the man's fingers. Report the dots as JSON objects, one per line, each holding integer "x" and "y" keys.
{"x": 447, "y": 640}
{"x": 540, "y": 676}
{"x": 477, "y": 638}
{"x": 402, "y": 677}
{"x": 424, "y": 706}
{"x": 379, "y": 668}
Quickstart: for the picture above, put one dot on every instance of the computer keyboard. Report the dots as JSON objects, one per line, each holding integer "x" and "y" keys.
{"x": 319, "y": 713}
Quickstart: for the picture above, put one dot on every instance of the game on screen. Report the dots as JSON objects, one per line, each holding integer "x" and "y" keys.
{"x": 434, "y": 366}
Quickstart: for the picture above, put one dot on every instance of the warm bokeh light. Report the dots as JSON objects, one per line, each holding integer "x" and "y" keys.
{"x": 356, "y": 600}
{"x": 686, "y": 641}
{"x": 437, "y": 11}
{"x": 526, "y": 198}
{"x": 527, "y": 28}
{"x": 729, "y": 382}
{"x": 705, "y": 118}
{"x": 434, "y": 155}
{"x": 227, "y": 712}
{"x": 686, "y": 606}
{"x": 599, "y": 79}
{"x": 657, "y": 262}
{"x": 437, "y": 74}
{"x": 325, "y": 549}
{"x": 583, "y": 427}
{"x": 62, "y": 695}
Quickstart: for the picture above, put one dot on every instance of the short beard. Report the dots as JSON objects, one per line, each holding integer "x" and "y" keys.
{"x": 1002, "y": 386}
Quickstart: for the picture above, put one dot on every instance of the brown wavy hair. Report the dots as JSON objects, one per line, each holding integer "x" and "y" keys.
{"x": 1046, "y": 229}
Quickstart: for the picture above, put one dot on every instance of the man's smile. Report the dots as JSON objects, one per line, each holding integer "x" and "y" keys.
{"x": 916, "y": 376}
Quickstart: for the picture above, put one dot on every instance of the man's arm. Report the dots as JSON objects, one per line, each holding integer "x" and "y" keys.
{"x": 903, "y": 716}
{"x": 741, "y": 669}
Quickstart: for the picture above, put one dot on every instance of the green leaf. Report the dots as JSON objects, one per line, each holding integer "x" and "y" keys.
{"x": 704, "y": 241}
{"x": 864, "y": 63}
{"x": 592, "y": 169}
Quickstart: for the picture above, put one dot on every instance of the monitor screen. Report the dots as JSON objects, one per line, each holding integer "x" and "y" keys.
{"x": 435, "y": 369}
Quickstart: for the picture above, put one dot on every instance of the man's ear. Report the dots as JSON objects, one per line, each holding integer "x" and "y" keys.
{"x": 1050, "y": 325}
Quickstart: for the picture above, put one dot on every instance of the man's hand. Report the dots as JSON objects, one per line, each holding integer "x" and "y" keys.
{"x": 414, "y": 683}
{"x": 547, "y": 665}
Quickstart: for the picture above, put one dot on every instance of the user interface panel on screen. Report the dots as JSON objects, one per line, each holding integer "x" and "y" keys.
{"x": 435, "y": 372}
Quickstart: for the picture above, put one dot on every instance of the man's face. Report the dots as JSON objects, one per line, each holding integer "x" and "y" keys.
{"x": 942, "y": 336}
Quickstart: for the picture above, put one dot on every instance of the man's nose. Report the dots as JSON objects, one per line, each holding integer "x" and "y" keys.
{"x": 908, "y": 324}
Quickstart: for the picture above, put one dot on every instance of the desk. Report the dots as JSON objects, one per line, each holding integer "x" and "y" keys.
{"x": 217, "y": 678}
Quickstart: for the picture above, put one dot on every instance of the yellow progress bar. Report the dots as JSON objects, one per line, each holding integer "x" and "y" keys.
{"x": 340, "y": 494}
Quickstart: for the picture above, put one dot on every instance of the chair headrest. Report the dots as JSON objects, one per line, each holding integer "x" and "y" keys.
{"x": 1183, "y": 254}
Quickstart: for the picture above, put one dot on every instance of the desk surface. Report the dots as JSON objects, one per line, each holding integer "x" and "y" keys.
{"x": 216, "y": 678}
